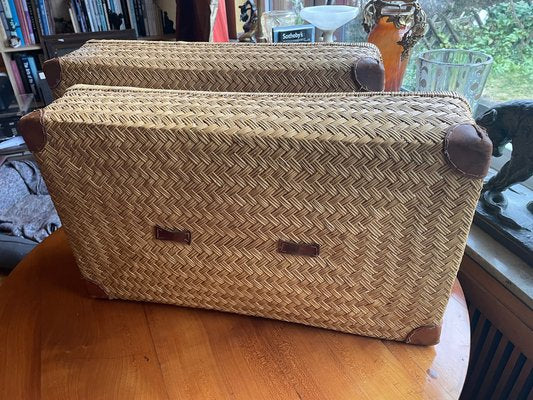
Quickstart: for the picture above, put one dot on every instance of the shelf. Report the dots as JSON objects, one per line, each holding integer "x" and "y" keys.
{"x": 167, "y": 37}
{"x": 26, "y": 101}
{"x": 32, "y": 47}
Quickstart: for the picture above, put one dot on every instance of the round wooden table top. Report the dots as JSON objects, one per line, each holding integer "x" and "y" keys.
{"x": 57, "y": 343}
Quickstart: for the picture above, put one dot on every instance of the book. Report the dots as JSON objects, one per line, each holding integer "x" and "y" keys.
{"x": 15, "y": 23}
{"x": 90, "y": 15}
{"x": 120, "y": 10}
{"x": 131, "y": 13}
{"x": 34, "y": 20}
{"x": 85, "y": 15}
{"x": 22, "y": 21}
{"x": 23, "y": 77}
{"x": 125, "y": 13}
{"x": 35, "y": 74}
{"x": 139, "y": 18}
{"x": 51, "y": 22}
{"x": 43, "y": 18}
{"x": 105, "y": 13}
{"x": 26, "y": 69}
{"x": 28, "y": 21}
{"x": 16, "y": 75}
{"x": 73, "y": 18}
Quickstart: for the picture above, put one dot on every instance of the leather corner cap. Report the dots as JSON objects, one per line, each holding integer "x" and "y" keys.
{"x": 468, "y": 149}
{"x": 369, "y": 74}
{"x": 52, "y": 71}
{"x": 95, "y": 291}
{"x": 428, "y": 335}
{"x": 32, "y": 130}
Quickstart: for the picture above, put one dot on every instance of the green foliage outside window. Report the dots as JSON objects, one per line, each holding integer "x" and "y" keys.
{"x": 506, "y": 35}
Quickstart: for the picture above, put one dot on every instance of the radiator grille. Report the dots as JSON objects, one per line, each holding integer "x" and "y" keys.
{"x": 498, "y": 370}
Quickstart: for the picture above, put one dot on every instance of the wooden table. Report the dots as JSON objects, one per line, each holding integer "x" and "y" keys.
{"x": 57, "y": 343}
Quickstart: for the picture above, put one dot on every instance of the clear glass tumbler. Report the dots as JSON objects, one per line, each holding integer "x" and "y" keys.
{"x": 461, "y": 71}
{"x": 273, "y": 19}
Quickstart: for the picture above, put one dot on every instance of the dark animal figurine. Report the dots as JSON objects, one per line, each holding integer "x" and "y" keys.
{"x": 251, "y": 21}
{"x": 509, "y": 122}
{"x": 115, "y": 20}
{"x": 168, "y": 24}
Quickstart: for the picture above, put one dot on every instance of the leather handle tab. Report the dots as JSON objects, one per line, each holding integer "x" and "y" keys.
{"x": 180, "y": 236}
{"x": 299, "y": 249}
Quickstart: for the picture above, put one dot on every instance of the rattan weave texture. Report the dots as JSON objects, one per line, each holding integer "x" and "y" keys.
{"x": 215, "y": 66}
{"x": 361, "y": 174}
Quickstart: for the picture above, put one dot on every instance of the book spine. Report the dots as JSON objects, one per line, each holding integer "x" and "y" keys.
{"x": 27, "y": 71}
{"x": 105, "y": 13}
{"x": 151, "y": 17}
{"x": 92, "y": 22}
{"x": 85, "y": 13}
{"x": 6, "y": 28}
{"x": 34, "y": 21}
{"x": 142, "y": 4}
{"x": 22, "y": 21}
{"x": 24, "y": 78}
{"x": 16, "y": 75}
{"x": 157, "y": 19}
{"x": 43, "y": 18}
{"x": 80, "y": 15}
{"x": 73, "y": 18}
{"x": 97, "y": 15}
{"x": 120, "y": 10}
{"x": 51, "y": 23}
{"x": 35, "y": 75}
{"x": 139, "y": 18}
{"x": 131, "y": 14}
{"x": 16, "y": 22}
{"x": 28, "y": 20}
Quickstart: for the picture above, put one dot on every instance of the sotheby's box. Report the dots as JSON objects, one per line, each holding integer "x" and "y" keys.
{"x": 294, "y": 34}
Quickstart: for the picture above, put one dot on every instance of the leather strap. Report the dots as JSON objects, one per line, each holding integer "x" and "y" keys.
{"x": 299, "y": 249}
{"x": 180, "y": 236}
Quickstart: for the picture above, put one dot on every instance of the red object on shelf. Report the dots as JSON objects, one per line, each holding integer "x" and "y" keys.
{"x": 220, "y": 30}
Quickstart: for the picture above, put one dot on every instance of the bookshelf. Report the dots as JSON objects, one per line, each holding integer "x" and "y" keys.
{"x": 34, "y": 20}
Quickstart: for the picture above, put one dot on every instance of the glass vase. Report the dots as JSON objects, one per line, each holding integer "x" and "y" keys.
{"x": 461, "y": 71}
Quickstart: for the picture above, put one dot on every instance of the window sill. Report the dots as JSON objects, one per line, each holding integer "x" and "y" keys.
{"x": 507, "y": 268}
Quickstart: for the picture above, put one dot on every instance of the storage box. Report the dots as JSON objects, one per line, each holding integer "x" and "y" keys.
{"x": 342, "y": 211}
{"x": 295, "y": 67}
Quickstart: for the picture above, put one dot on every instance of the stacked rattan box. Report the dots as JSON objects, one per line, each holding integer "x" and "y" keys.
{"x": 347, "y": 211}
{"x": 289, "y": 68}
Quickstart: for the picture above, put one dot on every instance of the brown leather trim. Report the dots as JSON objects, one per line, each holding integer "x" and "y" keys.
{"x": 427, "y": 335}
{"x": 95, "y": 291}
{"x": 52, "y": 71}
{"x": 468, "y": 149}
{"x": 369, "y": 74}
{"x": 299, "y": 249}
{"x": 31, "y": 128}
{"x": 180, "y": 236}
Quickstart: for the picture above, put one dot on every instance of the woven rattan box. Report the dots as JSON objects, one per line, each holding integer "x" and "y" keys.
{"x": 289, "y": 68}
{"x": 342, "y": 211}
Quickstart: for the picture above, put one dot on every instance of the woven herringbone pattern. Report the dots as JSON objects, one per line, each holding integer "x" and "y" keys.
{"x": 215, "y": 66}
{"x": 362, "y": 175}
